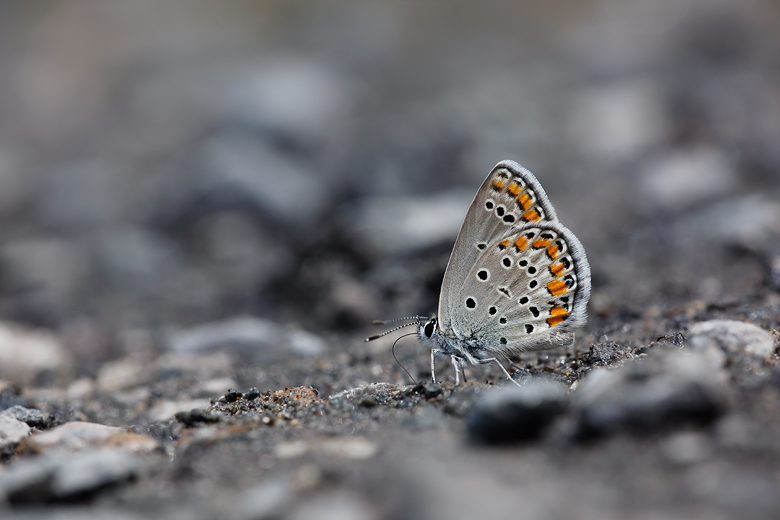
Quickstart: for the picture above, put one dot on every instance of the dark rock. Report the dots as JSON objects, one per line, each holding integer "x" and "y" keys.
{"x": 232, "y": 396}
{"x": 668, "y": 389}
{"x": 252, "y": 394}
{"x": 196, "y": 416}
{"x": 516, "y": 413}
{"x": 31, "y": 416}
{"x": 368, "y": 401}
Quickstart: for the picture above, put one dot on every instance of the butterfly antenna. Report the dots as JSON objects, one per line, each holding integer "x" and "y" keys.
{"x": 417, "y": 319}
{"x": 385, "y": 333}
{"x": 392, "y": 351}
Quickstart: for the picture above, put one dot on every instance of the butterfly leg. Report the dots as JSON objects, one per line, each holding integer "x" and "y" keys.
{"x": 434, "y": 352}
{"x": 488, "y": 360}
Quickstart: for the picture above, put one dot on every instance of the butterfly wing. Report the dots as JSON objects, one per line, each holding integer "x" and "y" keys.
{"x": 525, "y": 290}
{"x": 510, "y": 197}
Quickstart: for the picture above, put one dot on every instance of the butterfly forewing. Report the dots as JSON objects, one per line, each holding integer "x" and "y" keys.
{"x": 524, "y": 290}
{"x": 510, "y": 197}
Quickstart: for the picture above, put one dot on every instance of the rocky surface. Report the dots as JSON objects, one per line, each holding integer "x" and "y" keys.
{"x": 203, "y": 207}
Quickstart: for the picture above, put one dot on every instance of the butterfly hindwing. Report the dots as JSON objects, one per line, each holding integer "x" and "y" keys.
{"x": 524, "y": 290}
{"x": 509, "y": 197}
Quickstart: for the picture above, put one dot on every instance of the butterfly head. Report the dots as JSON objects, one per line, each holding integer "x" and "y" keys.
{"x": 427, "y": 329}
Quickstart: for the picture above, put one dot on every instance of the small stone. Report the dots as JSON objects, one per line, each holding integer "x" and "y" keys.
{"x": 252, "y": 394}
{"x": 665, "y": 390}
{"x": 30, "y": 416}
{"x": 368, "y": 401}
{"x": 267, "y": 500}
{"x": 122, "y": 374}
{"x": 164, "y": 410}
{"x": 12, "y": 433}
{"x": 196, "y": 416}
{"x": 684, "y": 178}
{"x": 733, "y": 336}
{"x": 407, "y": 223}
{"x": 232, "y": 396}
{"x": 92, "y": 471}
{"x": 26, "y": 352}
{"x": 516, "y": 413}
{"x": 76, "y": 436}
{"x": 56, "y": 478}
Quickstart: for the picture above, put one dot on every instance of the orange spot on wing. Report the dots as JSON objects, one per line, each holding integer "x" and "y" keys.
{"x": 558, "y": 311}
{"x": 557, "y": 287}
{"x": 557, "y": 269}
{"x": 498, "y": 184}
{"x": 552, "y": 251}
{"x": 503, "y": 244}
{"x": 531, "y": 215}
{"x": 514, "y": 189}
{"x": 542, "y": 242}
{"x": 525, "y": 201}
{"x": 555, "y": 320}
{"x": 521, "y": 243}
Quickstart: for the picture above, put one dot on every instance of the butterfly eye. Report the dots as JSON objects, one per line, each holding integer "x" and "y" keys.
{"x": 428, "y": 331}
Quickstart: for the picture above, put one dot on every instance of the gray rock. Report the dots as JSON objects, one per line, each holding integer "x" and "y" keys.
{"x": 45, "y": 269}
{"x": 244, "y": 170}
{"x": 295, "y": 99}
{"x": 665, "y": 390}
{"x": 92, "y": 471}
{"x": 51, "y": 478}
{"x": 733, "y": 337}
{"x": 619, "y": 121}
{"x": 684, "y": 178}
{"x": 262, "y": 337}
{"x": 26, "y": 352}
{"x": 77, "y": 436}
{"x": 132, "y": 253}
{"x": 31, "y": 416}
{"x": 264, "y": 501}
{"x": 405, "y": 223}
{"x": 514, "y": 413}
{"x": 757, "y": 227}
{"x": 12, "y": 432}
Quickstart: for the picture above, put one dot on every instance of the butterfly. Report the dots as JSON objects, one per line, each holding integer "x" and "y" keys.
{"x": 517, "y": 279}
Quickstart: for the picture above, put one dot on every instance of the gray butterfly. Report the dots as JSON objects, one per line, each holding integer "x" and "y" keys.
{"x": 517, "y": 279}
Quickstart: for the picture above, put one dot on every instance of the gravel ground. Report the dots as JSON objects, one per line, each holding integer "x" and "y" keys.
{"x": 203, "y": 208}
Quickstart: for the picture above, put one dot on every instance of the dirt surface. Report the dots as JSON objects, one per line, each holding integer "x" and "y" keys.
{"x": 203, "y": 208}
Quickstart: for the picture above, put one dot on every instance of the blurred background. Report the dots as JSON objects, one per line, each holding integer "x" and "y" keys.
{"x": 169, "y": 164}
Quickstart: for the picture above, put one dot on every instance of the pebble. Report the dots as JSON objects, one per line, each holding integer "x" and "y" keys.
{"x": 122, "y": 374}
{"x": 30, "y": 416}
{"x": 25, "y": 352}
{"x": 263, "y": 501}
{"x": 756, "y": 229}
{"x": 12, "y": 433}
{"x": 164, "y": 410}
{"x": 292, "y": 98}
{"x": 55, "y": 478}
{"x": 620, "y": 120}
{"x": 244, "y": 170}
{"x": 355, "y": 448}
{"x": 76, "y": 436}
{"x": 733, "y": 337}
{"x": 667, "y": 389}
{"x": 262, "y": 337}
{"x": 404, "y": 223}
{"x": 513, "y": 413}
{"x": 683, "y": 178}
